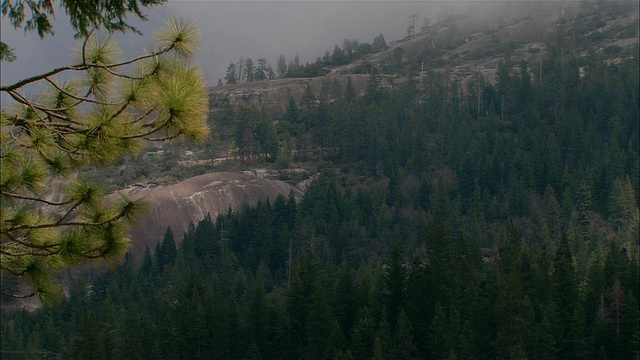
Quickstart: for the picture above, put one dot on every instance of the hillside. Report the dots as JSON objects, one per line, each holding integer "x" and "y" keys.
{"x": 459, "y": 50}
{"x": 189, "y": 201}
{"x": 274, "y": 95}
{"x": 464, "y": 48}
{"x": 470, "y": 191}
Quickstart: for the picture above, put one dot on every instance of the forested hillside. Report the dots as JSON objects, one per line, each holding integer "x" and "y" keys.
{"x": 479, "y": 220}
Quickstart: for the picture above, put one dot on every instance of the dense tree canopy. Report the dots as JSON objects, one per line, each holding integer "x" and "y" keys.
{"x": 277, "y": 281}
{"x": 494, "y": 220}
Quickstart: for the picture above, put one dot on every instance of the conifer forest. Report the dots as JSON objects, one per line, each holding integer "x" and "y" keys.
{"x": 486, "y": 220}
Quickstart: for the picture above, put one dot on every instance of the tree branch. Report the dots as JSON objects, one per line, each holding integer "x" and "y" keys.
{"x": 16, "y": 296}
{"x": 170, "y": 137}
{"x": 143, "y": 135}
{"x": 75, "y": 97}
{"x": 81, "y": 67}
{"x": 26, "y": 244}
{"x": 113, "y": 219}
{"x": 35, "y": 199}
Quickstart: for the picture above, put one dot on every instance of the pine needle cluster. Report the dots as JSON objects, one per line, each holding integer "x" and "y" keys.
{"x": 104, "y": 109}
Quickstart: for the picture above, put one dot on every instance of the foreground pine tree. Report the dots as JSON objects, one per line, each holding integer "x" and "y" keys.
{"x": 93, "y": 112}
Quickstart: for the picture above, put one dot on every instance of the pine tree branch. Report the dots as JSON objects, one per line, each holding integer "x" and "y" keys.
{"x": 16, "y": 196}
{"x": 23, "y": 100}
{"x": 139, "y": 118}
{"x": 42, "y": 253}
{"x": 71, "y": 210}
{"x": 16, "y": 296}
{"x": 109, "y": 221}
{"x": 82, "y": 67}
{"x": 75, "y": 97}
{"x": 169, "y": 137}
{"x": 144, "y": 135}
{"x": 25, "y": 243}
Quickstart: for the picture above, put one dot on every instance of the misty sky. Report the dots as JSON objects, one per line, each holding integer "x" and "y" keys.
{"x": 233, "y": 29}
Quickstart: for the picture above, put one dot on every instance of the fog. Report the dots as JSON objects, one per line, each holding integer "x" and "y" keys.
{"x": 230, "y": 30}
{"x": 252, "y": 29}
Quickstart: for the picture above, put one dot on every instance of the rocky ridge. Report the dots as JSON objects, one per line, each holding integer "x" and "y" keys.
{"x": 274, "y": 95}
{"x": 464, "y": 47}
{"x": 191, "y": 200}
{"x": 460, "y": 45}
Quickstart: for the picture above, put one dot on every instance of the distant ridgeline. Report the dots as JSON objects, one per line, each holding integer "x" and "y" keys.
{"x": 246, "y": 71}
{"x": 453, "y": 217}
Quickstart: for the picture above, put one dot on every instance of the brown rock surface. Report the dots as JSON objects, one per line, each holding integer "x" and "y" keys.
{"x": 190, "y": 200}
{"x": 274, "y": 95}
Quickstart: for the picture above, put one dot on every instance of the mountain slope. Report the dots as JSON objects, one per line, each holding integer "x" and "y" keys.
{"x": 191, "y": 200}
{"x": 464, "y": 46}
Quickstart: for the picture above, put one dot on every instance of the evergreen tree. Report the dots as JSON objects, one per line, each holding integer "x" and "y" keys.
{"x": 437, "y": 334}
{"x": 335, "y": 343}
{"x": 104, "y": 114}
{"x": 378, "y": 353}
{"x": 622, "y": 206}
{"x": 262, "y": 70}
{"x": 395, "y": 280}
{"x": 346, "y": 303}
{"x": 373, "y": 93}
{"x": 257, "y": 312}
{"x": 439, "y": 256}
{"x": 281, "y": 65}
{"x": 545, "y": 341}
{"x": 249, "y": 70}
{"x": 109, "y": 330}
{"x": 349, "y": 93}
{"x": 403, "y": 340}
{"x": 566, "y": 299}
{"x": 379, "y": 43}
{"x": 54, "y": 342}
{"x": 384, "y": 335}
{"x": 167, "y": 251}
{"x": 231, "y": 77}
{"x": 132, "y": 333}
{"x": 364, "y": 335}
{"x": 88, "y": 341}
{"x": 584, "y": 208}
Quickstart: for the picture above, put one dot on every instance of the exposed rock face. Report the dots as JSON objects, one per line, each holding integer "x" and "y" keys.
{"x": 190, "y": 200}
{"x": 468, "y": 48}
{"x": 176, "y": 205}
{"x": 274, "y": 95}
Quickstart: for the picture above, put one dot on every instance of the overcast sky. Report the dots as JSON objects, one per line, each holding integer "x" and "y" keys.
{"x": 233, "y": 29}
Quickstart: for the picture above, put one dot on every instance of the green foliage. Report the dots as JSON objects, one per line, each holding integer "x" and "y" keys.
{"x": 50, "y": 218}
{"x": 215, "y": 306}
{"x": 502, "y": 224}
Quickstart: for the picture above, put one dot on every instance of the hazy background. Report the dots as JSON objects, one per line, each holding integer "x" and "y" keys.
{"x": 233, "y": 29}
{"x": 255, "y": 29}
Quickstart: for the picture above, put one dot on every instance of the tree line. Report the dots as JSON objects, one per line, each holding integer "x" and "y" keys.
{"x": 533, "y": 132}
{"x": 494, "y": 220}
{"x": 245, "y": 70}
{"x": 343, "y": 275}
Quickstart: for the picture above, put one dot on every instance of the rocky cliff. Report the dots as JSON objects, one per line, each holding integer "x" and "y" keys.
{"x": 464, "y": 46}
{"x": 274, "y": 95}
{"x": 191, "y": 200}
